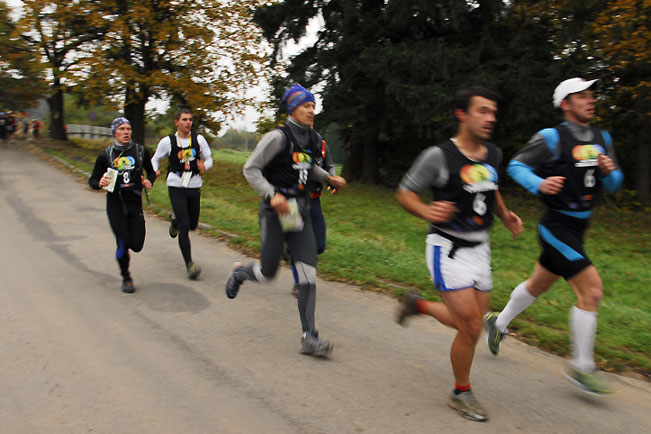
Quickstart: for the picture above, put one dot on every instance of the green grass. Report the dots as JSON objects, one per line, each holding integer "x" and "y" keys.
{"x": 373, "y": 243}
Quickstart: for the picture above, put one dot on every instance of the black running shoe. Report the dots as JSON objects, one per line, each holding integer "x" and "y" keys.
{"x": 407, "y": 307}
{"x": 233, "y": 283}
{"x": 127, "y": 286}
{"x": 174, "y": 231}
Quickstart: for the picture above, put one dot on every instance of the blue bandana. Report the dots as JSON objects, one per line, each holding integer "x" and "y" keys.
{"x": 117, "y": 122}
{"x": 296, "y": 96}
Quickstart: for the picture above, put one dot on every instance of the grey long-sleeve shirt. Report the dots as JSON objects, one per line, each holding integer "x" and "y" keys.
{"x": 270, "y": 145}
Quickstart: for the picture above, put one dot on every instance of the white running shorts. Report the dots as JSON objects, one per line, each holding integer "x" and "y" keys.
{"x": 470, "y": 267}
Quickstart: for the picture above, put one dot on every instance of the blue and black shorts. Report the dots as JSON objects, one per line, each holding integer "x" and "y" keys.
{"x": 561, "y": 237}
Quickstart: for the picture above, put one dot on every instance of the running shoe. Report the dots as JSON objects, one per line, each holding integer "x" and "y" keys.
{"x": 588, "y": 382}
{"x": 174, "y": 231}
{"x": 313, "y": 345}
{"x": 234, "y": 281}
{"x": 408, "y": 307}
{"x": 493, "y": 335}
{"x": 467, "y": 406}
{"x": 193, "y": 271}
{"x": 127, "y": 286}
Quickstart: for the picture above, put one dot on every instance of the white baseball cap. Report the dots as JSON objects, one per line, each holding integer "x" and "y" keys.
{"x": 570, "y": 86}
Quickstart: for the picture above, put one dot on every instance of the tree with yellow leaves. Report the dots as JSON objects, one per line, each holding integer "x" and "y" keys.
{"x": 201, "y": 53}
{"x": 622, "y": 39}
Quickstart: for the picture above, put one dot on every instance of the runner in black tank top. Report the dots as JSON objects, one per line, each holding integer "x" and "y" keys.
{"x": 124, "y": 203}
{"x": 568, "y": 166}
{"x": 462, "y": 174}
{"x": 280, "y": 171}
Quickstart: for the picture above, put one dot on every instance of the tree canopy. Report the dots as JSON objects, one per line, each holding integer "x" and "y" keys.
{"x": 203, "y": 54}
{"x": 388, "y": 69}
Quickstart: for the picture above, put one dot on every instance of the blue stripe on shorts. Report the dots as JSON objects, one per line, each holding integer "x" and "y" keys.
{"x": 436, "y": 266}
{"x": 564, "y": 249}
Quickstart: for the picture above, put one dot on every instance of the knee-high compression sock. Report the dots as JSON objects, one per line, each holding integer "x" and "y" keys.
{"x": 583, "y": 326}
{"x": 520, "y": 300}
{"x": 306, "y": 306}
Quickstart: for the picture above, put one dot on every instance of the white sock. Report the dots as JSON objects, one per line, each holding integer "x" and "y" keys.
{"x": 519, "y": 301}
{"x": 583, "y": 325}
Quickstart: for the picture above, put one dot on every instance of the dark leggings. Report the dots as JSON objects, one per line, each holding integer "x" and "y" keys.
{"x": 186, "y": 203}
{"x": 319, "y": 229}
{"x": 128, "y": 225}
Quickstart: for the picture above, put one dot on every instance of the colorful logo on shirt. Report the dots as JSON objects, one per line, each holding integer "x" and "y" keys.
{"x": 124, "y": 163}
{"x": 302, "y": 163}
{"x": 301, "y": 157}
{"x": 586, "y": 155}
{"x": 478, "y": 177}
{"x": 186, "y": 155}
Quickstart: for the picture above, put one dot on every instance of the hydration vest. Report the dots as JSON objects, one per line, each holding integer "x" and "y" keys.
{"x": 184, "y": 159}
{"x": 577, "y": 161}
{"x": 289, "y": 170}
{"x": 129, "y": 166}
{"x": 471, "y": 186}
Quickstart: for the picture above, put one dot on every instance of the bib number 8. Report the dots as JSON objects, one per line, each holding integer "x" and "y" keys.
{"x": 589, "y": 180}
{"x": 478, "y": 204}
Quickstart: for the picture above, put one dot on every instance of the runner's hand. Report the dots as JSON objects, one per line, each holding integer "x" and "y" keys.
{"x": 606, "y": 164}
{"x": 513, "y": 223}
{"x": 552, "y": 185}
{"x": 145, "y": 182}
{"x": 336, "y": 181}
{"x": 201, "y": 166}
{"x": 279, "y": 204}
{"x": 440, "y": 211}
{"x": 104, "y": 181}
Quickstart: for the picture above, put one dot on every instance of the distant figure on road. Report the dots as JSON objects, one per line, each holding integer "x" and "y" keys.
{"x": 566, "y": 165}
{"x": 462, "y": 174}
{"x": 189, "y": 156}
{"x": 280, "y": 170}
{"x": 119, "y": 169}
{"x": 36, "y": 128}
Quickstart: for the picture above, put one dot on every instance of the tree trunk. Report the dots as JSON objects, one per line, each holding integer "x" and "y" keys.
{"x": 362, "y": 162}
{"x": 57, "y": 118}
{"x": 642, "y": 176}
{"x": 134, "y": 110}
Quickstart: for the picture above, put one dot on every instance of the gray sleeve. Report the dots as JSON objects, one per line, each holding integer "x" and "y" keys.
{"x": 267, "y": 148}
{"x": 535, "y": 152}
{"x": 319, "y": 174}
{"x": 328, "y": 164}
{"x": 429, "y": 170}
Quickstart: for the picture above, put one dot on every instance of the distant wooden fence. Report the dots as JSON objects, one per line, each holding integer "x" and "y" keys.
{"x": 88, "y": 131}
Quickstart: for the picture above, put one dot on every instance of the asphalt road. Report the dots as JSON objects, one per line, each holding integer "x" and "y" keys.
{"x": 79, "y": 356}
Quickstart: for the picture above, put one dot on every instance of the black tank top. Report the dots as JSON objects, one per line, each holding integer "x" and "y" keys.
{"x": 577, "y": 162}
{"x": 289, "y": 170}
{"x": 184, "y": 159}
{"x": 471, "y": 186}
{"x": 128, "y": 163}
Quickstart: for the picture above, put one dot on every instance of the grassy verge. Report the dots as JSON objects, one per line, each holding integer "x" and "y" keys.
{"x": 373, "y": 243}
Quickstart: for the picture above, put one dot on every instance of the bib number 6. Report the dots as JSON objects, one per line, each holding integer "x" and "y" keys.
{"x": 589, "y": 180}
{"x": 478, "y": 204}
